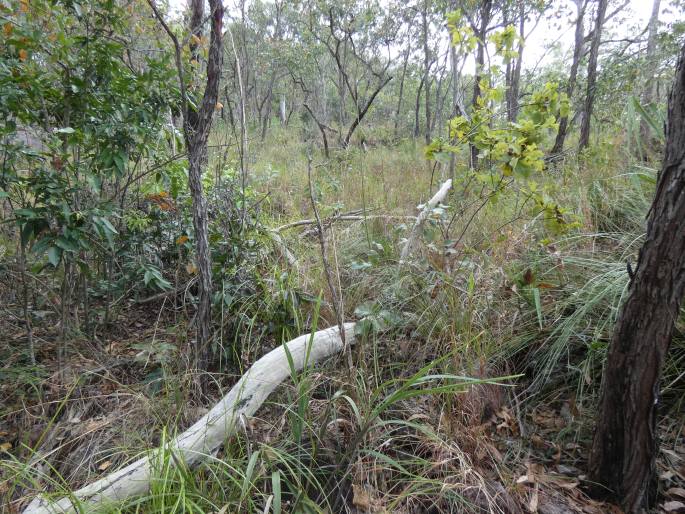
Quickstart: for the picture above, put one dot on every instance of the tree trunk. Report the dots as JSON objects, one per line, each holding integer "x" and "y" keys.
{"x": 481, "y": 32}
{"x": 426, "y": 70}
{"x": 197, "y": 125}
{"x": 455, "y": 101}
{"x": 515, "y": 82}
{"x": 592, "y": 76}
{"x": 648, "y": 95}
{"x": 361, "y": 113}
{"x": 282, "y": 111}
{"x": 417, "y": 109}
{"x": 399, "y": 100}
{"x": 322, "y": 130}
{"x": 624, "y": 445}
{"x": 573, "y": 74}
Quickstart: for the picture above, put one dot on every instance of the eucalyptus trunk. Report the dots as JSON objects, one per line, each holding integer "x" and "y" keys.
{"x": 648, "y": 95}
{"x": 197, "y": 124}
{"x": 592, "y": 76}
{"x": 624, "y": 448}
{"x": 573, "y": 74}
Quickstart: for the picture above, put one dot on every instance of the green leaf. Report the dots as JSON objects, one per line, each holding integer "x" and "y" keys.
{"x": 67, "y": 244}
{"x": 108, "y": 225}
{"x": 365, "y": 309}
{"x": 54, "y": 255}
{"x": 120, "y": 161}
{"x": 276, "y": 488}
{"x": 538, "y": 305}
{"x": 249, "y": 472}
{"x": 648, "y": 118}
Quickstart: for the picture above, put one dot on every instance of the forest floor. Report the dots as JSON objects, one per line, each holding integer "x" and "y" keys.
{"x": 516, "y": 446}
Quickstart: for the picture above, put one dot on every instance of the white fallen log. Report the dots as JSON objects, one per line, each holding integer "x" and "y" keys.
{"x": 423, "y": 215}
{"x": 283, "y": 249}
{"x": 212, "y": 430}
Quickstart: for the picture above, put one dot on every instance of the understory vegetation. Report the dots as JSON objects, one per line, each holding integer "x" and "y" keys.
{"x": 474, "y": 378}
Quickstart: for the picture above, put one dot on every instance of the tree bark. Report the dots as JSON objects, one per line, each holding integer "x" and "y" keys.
{"x": 455, "y": 103}
{"x": 515, "y": 80}
{"x": 417, "y": 109}
{"x": 196, "y": 127}
{"x": 365, "y": 109}
{"x": 438, "y": 197}
{"x": 401, "y": 94}
{"x": 481, "y": 32}
{"x": 322, "y": 130}
{"x": 426, "y": 70}
{"x": 624, "y": 446}
{"x": 573, "y": 74}
{"x": 197, "y": 124}
{"x": 648, "y": 94}
{"x": 592, "y": 76}
{"x": 282, "y": 111}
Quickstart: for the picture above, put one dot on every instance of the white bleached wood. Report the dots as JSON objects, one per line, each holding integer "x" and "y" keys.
{"x": 212, "y": 430}
{"x": 425, "y": 212}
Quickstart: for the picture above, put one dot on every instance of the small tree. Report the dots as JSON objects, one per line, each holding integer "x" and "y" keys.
{"x": 197, "y": 121}
{"x": 624, "y": 446}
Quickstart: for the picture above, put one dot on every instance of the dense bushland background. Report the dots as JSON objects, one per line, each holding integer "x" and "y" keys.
{"x": 360, "y": 110}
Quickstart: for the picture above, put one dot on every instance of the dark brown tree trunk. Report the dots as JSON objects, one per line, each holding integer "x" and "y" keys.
{"x": 196, "y": 128}
{"x": 361, "y": 113}
{"x": 573, "y": 74}
{"x": 624, "y": 445}
{"x": 592, "y": 76}
{"x": 322, "y": 130}
{"x": 417, "y": 109}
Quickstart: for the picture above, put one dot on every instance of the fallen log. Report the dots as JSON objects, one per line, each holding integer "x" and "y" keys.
{"x": 423, "y": 215}
{"x": 327, "y": 222}
{"x": 211, "y": 431}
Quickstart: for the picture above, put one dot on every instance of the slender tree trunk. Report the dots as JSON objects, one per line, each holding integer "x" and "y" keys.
{"x": 401, "y": 95}
{"x": 455, "y": 100}
{"x": 426, "y": 69}
{"x": 282, "y": 111}
{"x": 322, "y": 130}
{"x": 196, "y": 126}
{"x": 440, "y": 98}
{"x": 592, "y": 76}
{"x": 361, "y": 113}
{"x": 624, "y": 445}
{"x": 648, "y": 94}
{"x": 417, "y": 109}
{"x": 515, "y": 83}
{"x": 573, "y": 74}
{"x": 480, "y": 62}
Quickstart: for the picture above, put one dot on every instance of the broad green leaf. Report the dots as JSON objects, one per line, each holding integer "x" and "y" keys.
{"x": 54, "y": 255}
